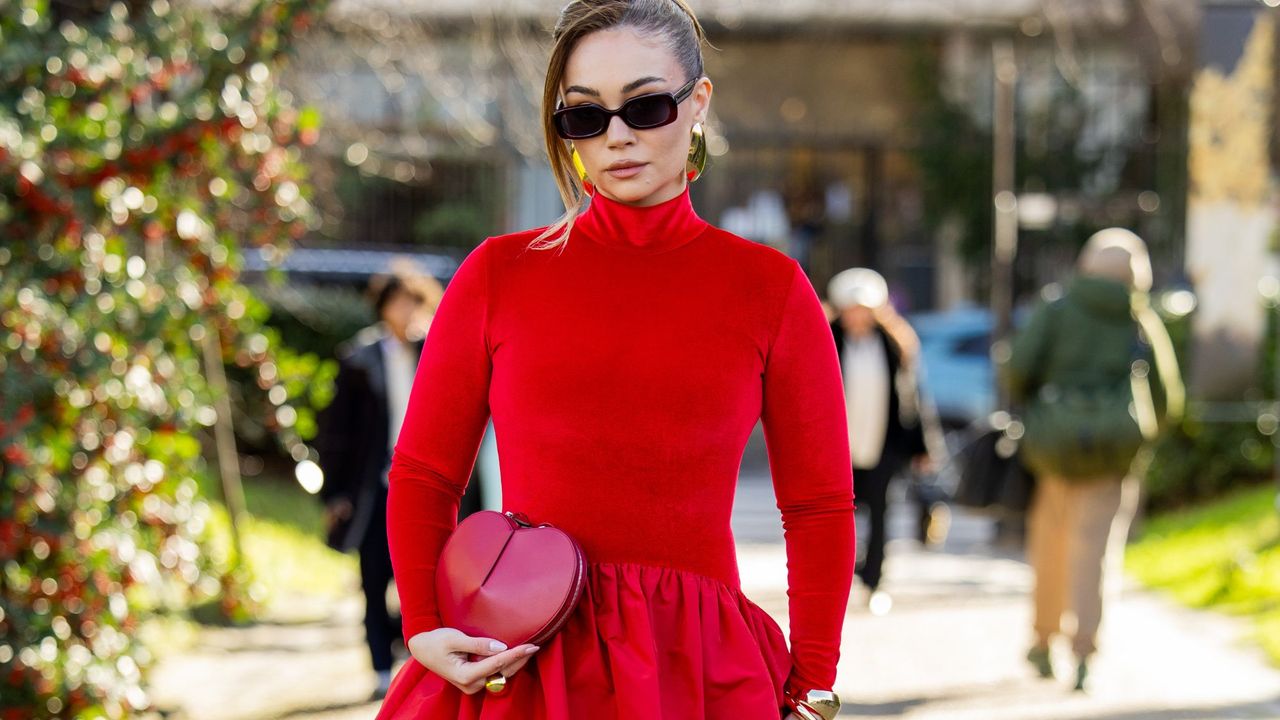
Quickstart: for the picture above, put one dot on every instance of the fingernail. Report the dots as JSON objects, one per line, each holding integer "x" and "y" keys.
{"x": 496, "y": 646}
{"x": 531, "y": 650}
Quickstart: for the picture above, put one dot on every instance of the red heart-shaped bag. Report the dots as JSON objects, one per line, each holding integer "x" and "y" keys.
{"x": 502, "y": 577}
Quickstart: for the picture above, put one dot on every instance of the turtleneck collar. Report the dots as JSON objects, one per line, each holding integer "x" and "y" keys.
{"x": 664, "y": 226}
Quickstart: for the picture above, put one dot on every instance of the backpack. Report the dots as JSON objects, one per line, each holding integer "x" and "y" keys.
{"x": 1085, "y": 431}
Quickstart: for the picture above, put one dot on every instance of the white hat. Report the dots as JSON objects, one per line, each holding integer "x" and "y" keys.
{"x": 858, "y": 286}
{"x": 1117, "y": 254}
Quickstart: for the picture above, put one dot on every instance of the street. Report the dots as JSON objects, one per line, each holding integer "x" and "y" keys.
{"x": 951, "y": 647}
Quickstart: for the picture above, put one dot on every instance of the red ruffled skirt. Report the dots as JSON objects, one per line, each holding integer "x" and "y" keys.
{"x": 644, "y": 643}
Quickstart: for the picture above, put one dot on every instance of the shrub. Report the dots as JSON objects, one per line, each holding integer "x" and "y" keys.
{"x": 140, "y": 148}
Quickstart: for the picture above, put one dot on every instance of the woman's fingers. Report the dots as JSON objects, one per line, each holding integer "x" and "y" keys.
{"x": 516, "y": 666}
{"x": 492, "y": 664}
{"x": 478, "y": 645}
{"x": 471, "y": 676}
{"x": 448, "y": 653}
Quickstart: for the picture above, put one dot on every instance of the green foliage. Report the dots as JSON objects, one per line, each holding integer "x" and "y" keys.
{"x": 315, "y": 319}
{"x": 296, "y": 576}
{"x": 453, "y": 203}
{"x": 280, "y": 398}
{"x": 305, "y": 324}
{"x": 1268, "y": 369}
{"x": 1199, "y": 460}
{"x": 452, "y": 224}
{"x": 955, "y": 160}
{"x": 140, "y": 149}
{"x": 1223, "y": 555}
{"x": 308, "y": 382}
{"x": 286, "y": 546}
{"x": 954, "y": 153}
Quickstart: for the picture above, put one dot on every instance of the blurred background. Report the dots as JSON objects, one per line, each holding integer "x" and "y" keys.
{"x": 194, "y": 197}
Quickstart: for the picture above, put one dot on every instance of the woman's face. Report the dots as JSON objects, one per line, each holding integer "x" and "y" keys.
{"x": 636, "y": 167}
{"x": 406, "y": 316}
{"x": 859, "y": 320}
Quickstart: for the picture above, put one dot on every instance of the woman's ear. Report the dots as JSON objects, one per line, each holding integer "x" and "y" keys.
{"x": 702, "y": 99}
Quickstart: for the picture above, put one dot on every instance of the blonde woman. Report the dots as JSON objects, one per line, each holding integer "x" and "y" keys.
{"x": 1096, "y": 371}
{"x": 889, "y": 426}
{"x": 625, "y": 354}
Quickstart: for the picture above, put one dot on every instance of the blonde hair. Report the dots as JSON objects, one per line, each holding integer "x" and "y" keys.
{"x": 672, "y": 19}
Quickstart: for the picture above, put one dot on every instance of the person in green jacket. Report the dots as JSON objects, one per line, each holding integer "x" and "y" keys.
{"x": 1095, "y": 376}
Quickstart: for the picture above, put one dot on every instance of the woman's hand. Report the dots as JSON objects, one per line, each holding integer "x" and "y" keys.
{"x": 335, "y": 512}
{"x": 923, "y": 464}
{"x": 445, "y": 652}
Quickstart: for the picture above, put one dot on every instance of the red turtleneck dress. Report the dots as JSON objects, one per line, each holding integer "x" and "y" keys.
{"x": 624, "y": 375}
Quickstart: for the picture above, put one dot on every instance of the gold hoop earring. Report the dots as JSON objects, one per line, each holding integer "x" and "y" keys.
{"x": 697, "y": 154}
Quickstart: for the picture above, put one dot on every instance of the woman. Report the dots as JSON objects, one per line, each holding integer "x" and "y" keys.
{"x": 625, "y": 353}
{"x": 357, "y": 433}
{"x": 878, "y": 354}
{"x": 1097, "y": 374}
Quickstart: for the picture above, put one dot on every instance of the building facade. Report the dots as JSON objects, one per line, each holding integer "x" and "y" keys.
{"x": 844, "y": 133}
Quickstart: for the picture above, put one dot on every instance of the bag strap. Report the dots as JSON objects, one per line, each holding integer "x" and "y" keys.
{"x": 1164, "y": 357}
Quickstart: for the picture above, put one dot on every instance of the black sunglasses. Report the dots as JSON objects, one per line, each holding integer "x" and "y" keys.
{"x": 642, "y": 112}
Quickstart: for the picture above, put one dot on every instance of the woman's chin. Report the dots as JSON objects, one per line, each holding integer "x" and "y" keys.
{"x": 633, "y": 191}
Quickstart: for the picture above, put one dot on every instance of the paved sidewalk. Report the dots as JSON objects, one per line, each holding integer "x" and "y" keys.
{"x": 311, "y": 664}
{"x": 951, "y": 647}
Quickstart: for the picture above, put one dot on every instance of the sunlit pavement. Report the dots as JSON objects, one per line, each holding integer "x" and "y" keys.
{"x": 953, "y": 644}
{"x": 313, "y": 663}
{"x": 951, "y": 647}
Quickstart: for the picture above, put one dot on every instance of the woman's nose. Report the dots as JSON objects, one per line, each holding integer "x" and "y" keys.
{"x": 619, "y": 133}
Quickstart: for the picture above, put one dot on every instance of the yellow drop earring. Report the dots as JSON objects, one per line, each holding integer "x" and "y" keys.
{"x": 582, "y": 172}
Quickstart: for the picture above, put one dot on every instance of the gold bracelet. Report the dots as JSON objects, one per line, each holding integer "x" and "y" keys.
{"x": 818, "y": 705}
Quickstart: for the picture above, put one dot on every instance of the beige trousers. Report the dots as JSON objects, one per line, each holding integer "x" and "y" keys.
{"x": 1075, "y": 544}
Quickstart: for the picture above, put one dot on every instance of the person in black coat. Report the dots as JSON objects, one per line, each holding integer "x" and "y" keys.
{"x": 356, "y": 435}
{"x": 887, "y": 429}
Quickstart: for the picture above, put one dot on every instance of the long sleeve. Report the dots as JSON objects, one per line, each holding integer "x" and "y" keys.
{"x": 806, "y": 432}
{"x": 1020, "y": 372}
{"x": 438, "y": 442}
{"x": 913, "y": 414}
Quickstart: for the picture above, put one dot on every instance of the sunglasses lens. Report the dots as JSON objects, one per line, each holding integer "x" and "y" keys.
{"x": 580, "y": 122}
{"x": 641, "y": 113}
{"x": 649, "y": 111}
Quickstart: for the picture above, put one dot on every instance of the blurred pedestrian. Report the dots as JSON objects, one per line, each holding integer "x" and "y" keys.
{"x": 625, "y": 354}
{"x": 357, "y": 431}
{"x": 879, "y": 354}
{"x": 1096, "y": 376}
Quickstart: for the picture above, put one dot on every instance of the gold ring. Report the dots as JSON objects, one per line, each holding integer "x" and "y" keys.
{"x": 496, "y": 683}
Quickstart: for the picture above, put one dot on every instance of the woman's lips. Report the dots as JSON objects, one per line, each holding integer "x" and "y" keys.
{"x": 625, "y": 171}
